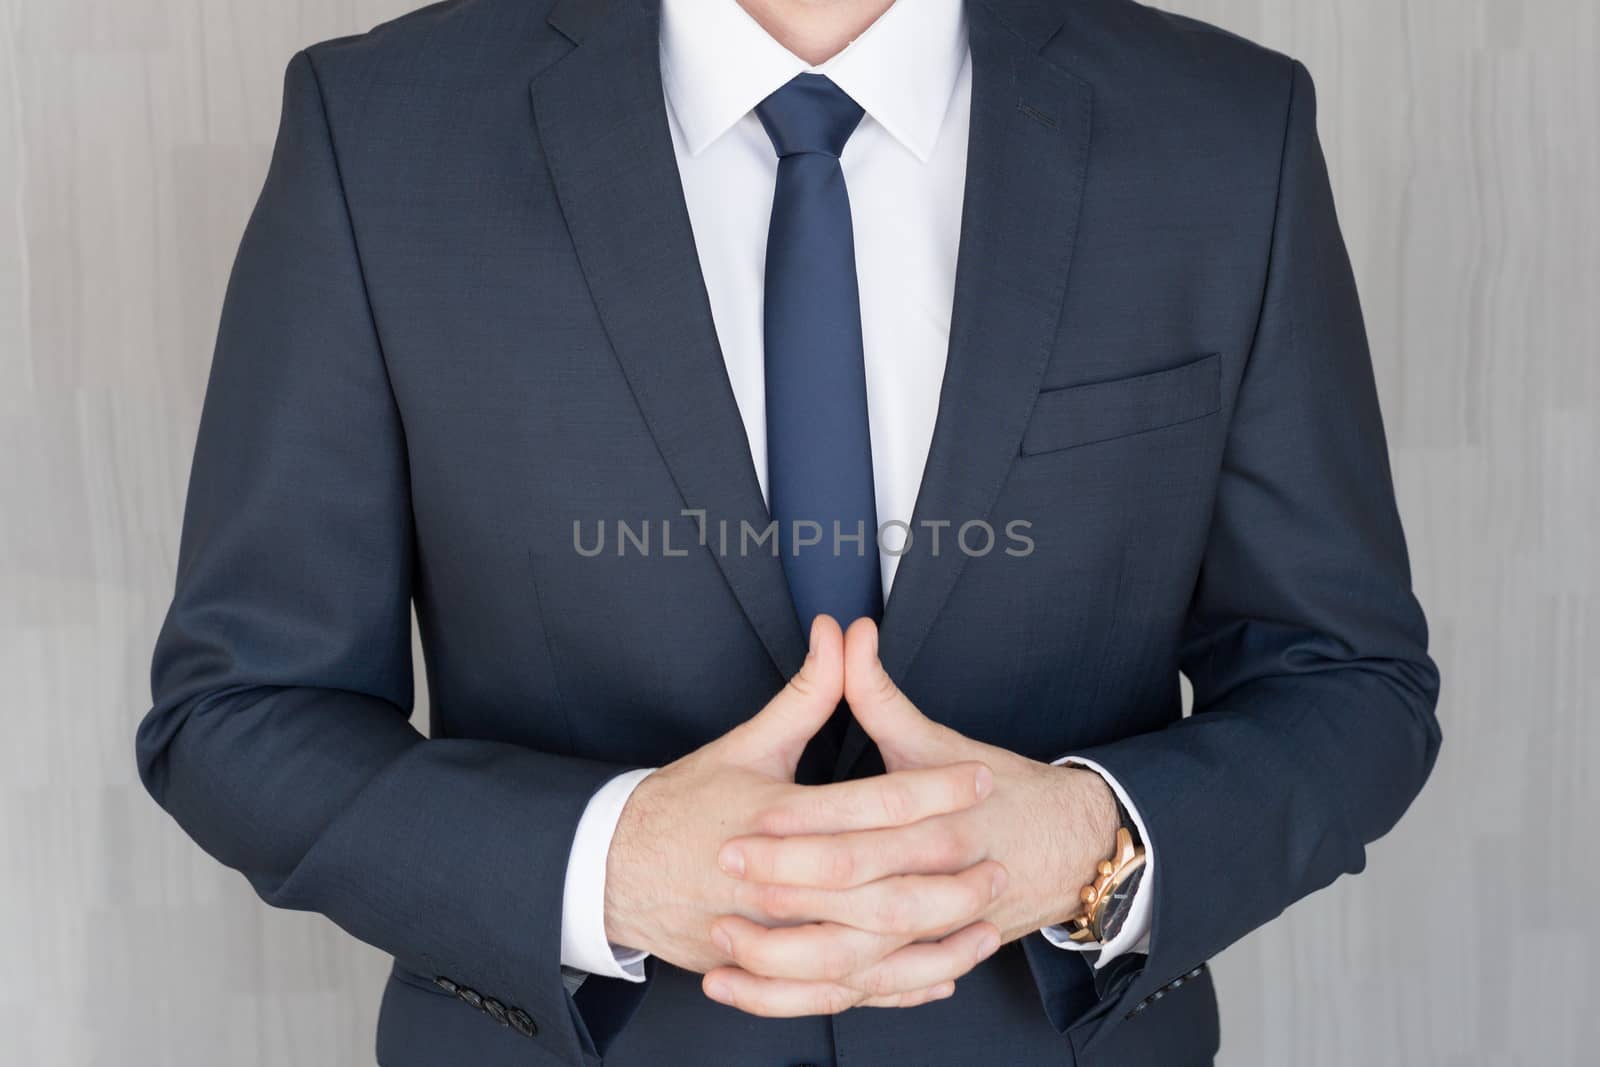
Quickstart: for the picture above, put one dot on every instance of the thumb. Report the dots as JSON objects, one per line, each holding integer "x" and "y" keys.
{"x": 774, "y": 738}
{"x": 904, "y": 735}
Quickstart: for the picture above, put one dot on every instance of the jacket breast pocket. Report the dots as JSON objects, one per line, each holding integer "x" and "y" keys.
{"x": 1102, "y": 411}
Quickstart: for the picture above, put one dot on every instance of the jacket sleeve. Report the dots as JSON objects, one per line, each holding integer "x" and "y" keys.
{"x": 279, "y": 737}
{"x": 1313, "y": 725}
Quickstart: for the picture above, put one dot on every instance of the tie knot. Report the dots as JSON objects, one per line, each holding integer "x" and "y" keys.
{"x": 809, "y": 114}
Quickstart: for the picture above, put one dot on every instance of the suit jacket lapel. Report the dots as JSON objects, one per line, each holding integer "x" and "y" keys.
{"x": 602, "y": 121}
{"x": 1027, "y": 159}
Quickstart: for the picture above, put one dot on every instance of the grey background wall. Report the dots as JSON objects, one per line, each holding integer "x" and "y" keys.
{"x": 1464, "y": 137}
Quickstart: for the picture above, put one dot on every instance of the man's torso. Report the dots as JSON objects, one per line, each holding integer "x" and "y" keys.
{"x": 555, "y": 365}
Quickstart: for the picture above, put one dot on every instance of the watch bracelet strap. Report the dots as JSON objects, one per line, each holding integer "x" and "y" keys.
{"x": 1125, "y": 820}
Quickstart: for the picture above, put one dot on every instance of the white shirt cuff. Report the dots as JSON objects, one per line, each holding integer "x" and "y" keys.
{"x": 583, "y": 899}
{"x": 1135, "y": 933}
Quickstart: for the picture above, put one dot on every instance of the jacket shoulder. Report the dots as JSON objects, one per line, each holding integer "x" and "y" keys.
{"x": 1128, "y": 46}
{"x": 1174, "y": 77}
{"x": 453, "y": 42}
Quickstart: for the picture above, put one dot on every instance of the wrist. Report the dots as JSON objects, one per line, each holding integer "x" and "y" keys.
{"x": 1088, "y": 816}
{"x": 1101, "y": 816}
{"x": 622, "y": 884}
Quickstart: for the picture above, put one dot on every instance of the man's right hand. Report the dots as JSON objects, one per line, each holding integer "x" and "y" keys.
{"x": 664, "y": 887}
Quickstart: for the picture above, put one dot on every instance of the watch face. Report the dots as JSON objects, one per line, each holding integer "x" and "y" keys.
{"x": 1119, "y": 903}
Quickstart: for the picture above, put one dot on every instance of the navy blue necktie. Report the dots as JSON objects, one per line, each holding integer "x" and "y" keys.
{"x": 819, "y": 443}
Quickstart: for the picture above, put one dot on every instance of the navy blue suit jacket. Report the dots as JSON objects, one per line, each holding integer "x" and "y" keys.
{"x": 467, "y": 313}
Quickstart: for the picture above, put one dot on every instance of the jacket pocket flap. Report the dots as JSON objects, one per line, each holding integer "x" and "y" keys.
{"x": 1100, "y": 411}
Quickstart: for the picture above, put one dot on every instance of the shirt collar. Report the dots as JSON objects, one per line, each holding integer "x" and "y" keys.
{"x": 719, "y": 64}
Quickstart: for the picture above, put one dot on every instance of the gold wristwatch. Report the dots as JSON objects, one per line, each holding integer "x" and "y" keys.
{"x": 1109, "y": 898}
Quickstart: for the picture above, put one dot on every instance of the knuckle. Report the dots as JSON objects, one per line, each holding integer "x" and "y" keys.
{"x": 836, "y": 999}
{"x": 893, "y": 913}
{"x": 878, "y": 982}
{"x": 947, "y": 846}
{"x": 838, "y": 962}
{"x": 758, "y": 860}
{"x": 761, "y": 957}
{"x": 750, "y": 897}
{"x": 776, "y": 901}
{"x": 971, "y": 898}
{"x": 737, "y": 1001}
{"x": 899, "y": 804}
{"x": 838, "y": 867}
{"x": 776, "y": 820}
{"x": 801, "y": 684}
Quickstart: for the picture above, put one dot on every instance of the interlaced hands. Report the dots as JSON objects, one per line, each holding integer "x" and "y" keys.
{"x": 879, "y": 892}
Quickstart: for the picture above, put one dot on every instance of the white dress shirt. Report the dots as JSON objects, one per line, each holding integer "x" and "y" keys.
{"x": 905, "y": 169}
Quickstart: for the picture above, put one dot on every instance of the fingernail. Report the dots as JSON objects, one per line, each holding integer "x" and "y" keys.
{"x": 988, "y": 946}
{"x": 719, "y": 937}
{"x": 944, "y": 991}
{"x": 985, "y": 782}
{"x": 998, "y": 886}
{"x": 717, "y": 991}
{"x": 731, "y": 860}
